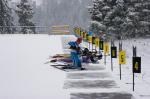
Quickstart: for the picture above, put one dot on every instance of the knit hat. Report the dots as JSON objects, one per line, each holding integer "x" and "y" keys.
{"x": 79, "y": 40}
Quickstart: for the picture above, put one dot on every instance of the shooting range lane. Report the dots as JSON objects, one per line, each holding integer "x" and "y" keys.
{"x": 113, "y": 95}
{"x": 93, "y": 83}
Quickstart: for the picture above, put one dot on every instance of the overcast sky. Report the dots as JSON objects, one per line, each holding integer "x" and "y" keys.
{"x": 37, "y": 1}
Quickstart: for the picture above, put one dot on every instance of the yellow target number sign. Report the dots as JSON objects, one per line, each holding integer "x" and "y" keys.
{"x": 90, "y": 39}
{"x": 122, "y": 57}
{"x": 106, "y": 48}
{"x": 78, "y": 31}
{"x": 85, "y": 35}
{"x": 97, "y": 42}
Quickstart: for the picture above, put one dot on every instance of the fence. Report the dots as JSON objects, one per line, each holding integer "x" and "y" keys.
{"x": 17, "y": 29}
{"x": 51, "y": 30}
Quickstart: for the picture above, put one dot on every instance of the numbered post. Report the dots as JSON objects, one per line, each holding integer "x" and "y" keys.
{"x": 106, "y": 48}
{"x": 85, "y": 36}
{"x": 101, "y": 45}
{"x": 82, "y": 34}
{"x": 122, "y": 57}
{"x": 113, "y": 55}
{"x": 93, "y": 42}
{"x": 106, "y": 51}
{"x": 97, "y": 42}
{"x": 75, "y": 30}
{"x": 120, "y": 49}
{"x": 90, "y": 41}
{"x": 136, "y": 64}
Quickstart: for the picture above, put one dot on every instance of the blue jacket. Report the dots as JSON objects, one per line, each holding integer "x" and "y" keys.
{"x": 73, "y": 46}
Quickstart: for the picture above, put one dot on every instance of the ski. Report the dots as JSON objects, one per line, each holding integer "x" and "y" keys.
{"x": 66, "y": 67}
{"x": 60, "y": 68}
{"x": 59, "y": 65}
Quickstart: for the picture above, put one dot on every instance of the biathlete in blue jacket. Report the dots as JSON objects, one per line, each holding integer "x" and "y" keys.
{"x": 75, "y": 53}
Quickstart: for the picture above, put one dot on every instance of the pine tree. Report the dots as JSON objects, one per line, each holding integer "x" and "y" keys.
{"x": 118, "y": 18}
{"x": 122, "y": 18}
{"x": 25, "y": 14}
{"x": 97, "y": 15}
{"x": 102, "y": 15}
{"x": 145, "y": 18}
{"x": 6, "y": 20}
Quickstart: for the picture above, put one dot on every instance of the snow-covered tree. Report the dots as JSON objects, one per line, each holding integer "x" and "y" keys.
{"x": 96, "y": 25}
{"x": 102, "y": 13}
{"x": 145, "y": 18}
{"x": 25, "y": 14}
{"x": 6, "y": 20}
{"x": 118, "y": 18}
{"x": 138, "y": 18}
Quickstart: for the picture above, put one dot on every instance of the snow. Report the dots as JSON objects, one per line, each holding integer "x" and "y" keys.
{"x": 142, "y": 80}
{"x": 23, "y": 74}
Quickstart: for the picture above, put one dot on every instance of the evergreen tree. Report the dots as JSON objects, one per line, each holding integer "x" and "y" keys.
{"x": 25, "y": 14}
{"x": 118, "y": 19}
{"x": 121, "y": 18}
{"x": 6, "y": 20}
{"x": 102, "y": 15}
{"x": 133, "y": 18}
{"x": 97, "y": 15}
{"x": 145, "y": 18}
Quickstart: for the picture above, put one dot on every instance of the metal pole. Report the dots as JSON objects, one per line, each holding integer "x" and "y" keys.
{"x": 89, "y": 45}
{"x": 134, "y": 55}
{"x": 112, "y": 44}
{"x": 120, "y": 71}
{"x": 111, "y": 64}
{"x": 105, "y": 56}
{"x": 105, "y": 59}
{"x": 92, "y": 46}
{"x": 133, "y": 81}
{"x": 120, "y": 49}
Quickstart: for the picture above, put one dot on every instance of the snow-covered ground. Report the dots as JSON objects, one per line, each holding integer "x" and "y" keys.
{"x": 142, "y": 80}
{"x": 23, "y": 74}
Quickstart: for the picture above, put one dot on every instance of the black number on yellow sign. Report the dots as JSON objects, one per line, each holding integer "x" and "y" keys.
{"x": 113, "y": 52}
{"x": 122, "y": 57}
{"x": 136, "y": 64}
